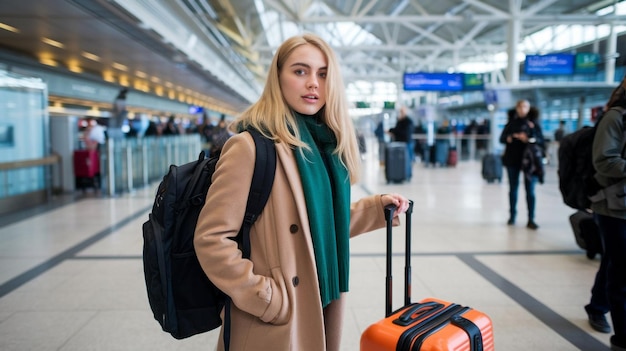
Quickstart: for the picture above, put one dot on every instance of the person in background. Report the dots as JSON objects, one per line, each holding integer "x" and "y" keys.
{"x": 420, "y": 141}
{"x": 560, "y": 132}
{"x": 219, "y": 136}
{"x": 119, "y": 114}
{"x": 380, "y": 134}
{"x": 171, "y": 128}
{"x": 290, "y": 294}
{"x": 206, "y": 128}
{"x": 94, "y": 135}
{"x": 522, "y": 129}
{"x": 609, "y": 291}
{"x": 403, "y": 132}
{"x": 152, "y": 129}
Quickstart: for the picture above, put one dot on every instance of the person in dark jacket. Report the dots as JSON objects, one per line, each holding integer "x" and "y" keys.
{"x": 403, "y": 132}
{"x": 522, "y": 129}
{"x": 609, "y": 160}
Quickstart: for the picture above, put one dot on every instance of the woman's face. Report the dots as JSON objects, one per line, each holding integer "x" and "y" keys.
{"x": 522, "y": 108}
{"x": 303, "y": 80}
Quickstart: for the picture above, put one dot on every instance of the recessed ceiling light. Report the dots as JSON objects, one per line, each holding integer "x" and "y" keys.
{"x": 53, "y": 42}
{"x": 9, "y": 28}
{"x": 90, "y": 56}
{"x": 119, "y": 66}
{"x": 47, "y": 58}
{"x": 124, "y": 80}
{"x": 108, "y": 76}
{"x": 48, "y": 62}
{"x": 74, "y": 66}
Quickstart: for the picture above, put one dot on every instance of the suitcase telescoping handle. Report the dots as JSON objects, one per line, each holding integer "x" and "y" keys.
{"x": 389, "y": 213}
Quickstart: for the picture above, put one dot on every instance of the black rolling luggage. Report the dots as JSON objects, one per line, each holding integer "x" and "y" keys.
{"x": 396, "y": 156}
{"x": 586, "y": 233}
{"x": 492, "y": 168}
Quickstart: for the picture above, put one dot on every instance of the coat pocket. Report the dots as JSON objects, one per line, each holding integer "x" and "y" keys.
{"x": 616, "y": 196}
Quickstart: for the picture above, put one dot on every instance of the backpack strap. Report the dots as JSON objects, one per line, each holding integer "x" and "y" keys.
{"x": 262, "y": 182}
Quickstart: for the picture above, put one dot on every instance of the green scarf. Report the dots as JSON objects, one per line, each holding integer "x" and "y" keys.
{"x": 327, "y": 194}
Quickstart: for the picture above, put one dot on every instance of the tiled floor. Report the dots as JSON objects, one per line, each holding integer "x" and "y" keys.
{"x": 71, "y": 277}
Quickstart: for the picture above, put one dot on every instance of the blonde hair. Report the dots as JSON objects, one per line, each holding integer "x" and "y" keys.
{"x": 274, "y": 118}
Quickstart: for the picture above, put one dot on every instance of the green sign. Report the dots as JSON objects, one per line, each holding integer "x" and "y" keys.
{"x": 473, "y": 81}
{"x": 586, "y": 62}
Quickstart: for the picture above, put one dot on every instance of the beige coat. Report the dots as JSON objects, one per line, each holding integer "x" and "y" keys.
{"x": 275, "y": 294}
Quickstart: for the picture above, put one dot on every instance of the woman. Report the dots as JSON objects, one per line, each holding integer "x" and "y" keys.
{"x": 290, "y": 294}
{"x": 610, "y": 165}
{"x": 521, "y": 130}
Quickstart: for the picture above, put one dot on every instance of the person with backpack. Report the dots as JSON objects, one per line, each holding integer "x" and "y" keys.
{"x": 403, "y": 132}
{"x": 522, "y": 131}
{"x": 290, "y": 293}
{"x": 609, "y": 291}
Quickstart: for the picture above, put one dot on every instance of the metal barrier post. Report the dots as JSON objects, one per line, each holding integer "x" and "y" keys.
{"x": 110, "y": 167}
{"x": 144, "y": 153}
{"x": 129, "y": 167}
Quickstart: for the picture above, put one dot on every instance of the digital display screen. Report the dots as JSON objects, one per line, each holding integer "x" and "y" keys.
{"x": 195, "y": 109}
{"x": 473, "y": 81}
{"x": 587, "y": 62}
{"x": 433, "y": 81}
{"x": 549, "y": 64}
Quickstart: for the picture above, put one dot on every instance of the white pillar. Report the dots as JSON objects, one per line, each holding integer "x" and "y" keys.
{"x": 611, "y": 55}
{"x": 512, "y": 70}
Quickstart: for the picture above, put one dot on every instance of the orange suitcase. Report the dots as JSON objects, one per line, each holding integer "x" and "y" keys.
{"x": 429, "y": 325}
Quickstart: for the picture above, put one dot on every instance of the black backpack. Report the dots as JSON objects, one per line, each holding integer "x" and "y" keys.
{"x": 182, "y": 298}
{"x": 576, "y": 171}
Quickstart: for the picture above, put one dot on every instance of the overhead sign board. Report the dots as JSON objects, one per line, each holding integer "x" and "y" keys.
{"x": 550, "y": 64}
{"x": 587, "y": 62}
{"x": 433, "y": 81}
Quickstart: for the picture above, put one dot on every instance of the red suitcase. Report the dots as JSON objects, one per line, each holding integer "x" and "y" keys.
{"x": 453, "y": 157}
{"x": 87, "y": 168}
{"x": 429, "y": 325}
{"x": 86, "y": 163}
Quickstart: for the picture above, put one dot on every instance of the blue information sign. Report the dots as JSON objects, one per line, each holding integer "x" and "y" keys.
{"x": 433, "y": 81}
{"x": 549, "y": 64}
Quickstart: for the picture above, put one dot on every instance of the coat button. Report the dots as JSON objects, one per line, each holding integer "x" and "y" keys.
{"x": 295, "y": 281}
{"x": 293, "y": 229}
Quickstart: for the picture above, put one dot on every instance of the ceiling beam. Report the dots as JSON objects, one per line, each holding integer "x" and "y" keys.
{"x": 545, "y": 19}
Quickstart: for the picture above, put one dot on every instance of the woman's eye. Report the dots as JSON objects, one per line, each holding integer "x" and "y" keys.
{"x": 322, "y": 74}
{"x": 299, "y": 72}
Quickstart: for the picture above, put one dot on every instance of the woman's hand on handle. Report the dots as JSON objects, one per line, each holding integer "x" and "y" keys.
{"x": 401, "y": 202}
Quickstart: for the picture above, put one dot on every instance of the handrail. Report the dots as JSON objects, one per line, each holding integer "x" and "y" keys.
{"x": 49, "y": 160}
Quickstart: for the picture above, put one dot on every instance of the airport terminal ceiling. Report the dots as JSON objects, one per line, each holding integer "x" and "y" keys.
{"x": 217, "y": 51}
